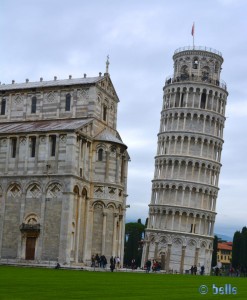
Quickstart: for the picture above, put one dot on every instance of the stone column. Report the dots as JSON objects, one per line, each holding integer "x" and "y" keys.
{"x": 88, "y": 230}
{"x": 26, "y": 155}
{"x": 65, "y": 230}
{"x": 36, "y": 152}
{"x": 17, "y": 155}
{"x": 120, "y": 235}
{"x": 182, "y": 260}
{"x": 145, "y": 253}
{"x": 42, "y": 223}
{"x": 204, "y": 124}
{"x": 196, "y": 256}
{"x": 173, "y": 217}
{"x": 193, "y": 100}
{"x": 183, "y": 196}
{"x": 117, "y": 167}
{"x": 206, "y": 101}
{"x": 179, "y": 221}
{"x": 168, "y": 258}
{"x": 103, "y": 233}
{"x": 200, "y": 224}
{"x": 22, "y": 211}
{"x": 187, "y": 97}
{"x": 188, "y": 148}
{"x": 156, "y": 250}
{"x": 114, "y": 242}
{"x": 78, "y": 228}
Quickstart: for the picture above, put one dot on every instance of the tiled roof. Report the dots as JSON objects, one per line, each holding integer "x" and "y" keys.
{"x": 107, "y": 136}
{"x": 40, "y": 84}
{"x": 224, "y": 246}
{"x": 42, "y": 126}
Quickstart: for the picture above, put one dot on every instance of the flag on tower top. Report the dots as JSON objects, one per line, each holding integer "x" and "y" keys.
{"x": 193, "y": 29}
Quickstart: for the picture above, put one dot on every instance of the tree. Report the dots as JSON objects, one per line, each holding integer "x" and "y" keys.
{"x": 215, "y": 249}
{"x": 134, "y": 233}
{"x": 236, "y": 246}
{"x": 243, "y": 248}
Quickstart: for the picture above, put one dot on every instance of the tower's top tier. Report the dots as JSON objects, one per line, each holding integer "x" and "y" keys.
{"x": 198, "y": 62}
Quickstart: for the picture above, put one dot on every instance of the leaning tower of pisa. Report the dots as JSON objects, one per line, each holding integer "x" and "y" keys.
{"x": 187, "y": 165}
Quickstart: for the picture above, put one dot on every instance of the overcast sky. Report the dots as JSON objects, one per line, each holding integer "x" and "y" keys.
{"x": 47, "y": 38}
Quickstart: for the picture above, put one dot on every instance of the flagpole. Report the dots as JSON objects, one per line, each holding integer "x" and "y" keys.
{"x": 193, "y": 34}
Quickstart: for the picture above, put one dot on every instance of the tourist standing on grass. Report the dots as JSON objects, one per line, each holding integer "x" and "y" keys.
{"x": 195, "y": 270}
{"x": 192, "y": 270}
{"x": 97, "y": 260}
{"x": 202, "y": 270}
{"x": 133, "y": 264}
{"x": 93, "y": 261}
{"x": 112, "y": 263}
{"x": 117, "y": 259}
{"x": 148, "y": 266}
{"x": 217, "y": 271}
{"x": 103, "y": 261}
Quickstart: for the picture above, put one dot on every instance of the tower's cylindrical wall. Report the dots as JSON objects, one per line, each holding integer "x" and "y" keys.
{"x": 187, "y": 164}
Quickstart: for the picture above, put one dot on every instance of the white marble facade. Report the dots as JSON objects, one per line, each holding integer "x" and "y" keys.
{"x": 63, "y": 171}
{"x": 187, "y": 165}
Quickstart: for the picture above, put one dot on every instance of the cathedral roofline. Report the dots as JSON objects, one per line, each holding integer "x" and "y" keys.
{"x": 51, "y": 83}
{"x": 42, "y": 126}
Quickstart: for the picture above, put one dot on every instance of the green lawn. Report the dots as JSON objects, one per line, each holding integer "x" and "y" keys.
{"x": 36, "y": 283}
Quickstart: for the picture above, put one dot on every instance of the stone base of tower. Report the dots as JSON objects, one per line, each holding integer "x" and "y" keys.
{"x": 177, "y": 252}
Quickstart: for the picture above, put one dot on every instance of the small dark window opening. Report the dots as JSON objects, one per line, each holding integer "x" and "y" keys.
{"x": 14, "y": 143}
{"x": 104, "y": 113}
{"x": 67, "y": 102}
{"x": 100, "y": 154}
{"x": 53, "y": 145}
{"x": 203, "y": 100}
{"x": 182, "y": 100}
{"x": 33, "y": 106}
{"x": 3, "y": 107}
{"x": 80, "y": 172}
{"x": 33, "y": 146}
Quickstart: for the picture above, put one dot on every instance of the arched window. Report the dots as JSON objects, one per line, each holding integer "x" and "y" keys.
{"x": 100, "y": 154}
{"x": 67, "y": 102}
{"x": 52, "y": 145}
{"x": 3, "y": 107}
{"x": 33, "y": 105}
{"x": 104, "y": 112}
{"x": 32, "y": 146}
{"x": 203, "y": 100}
{"x": 13, "y": 147}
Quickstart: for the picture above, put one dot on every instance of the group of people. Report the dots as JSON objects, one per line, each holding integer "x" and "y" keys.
{"x": 98, "y": 261}
{"x": 193, "y": 270}
{"x": 101, "y": 261}
{"x": 156, "y": 266}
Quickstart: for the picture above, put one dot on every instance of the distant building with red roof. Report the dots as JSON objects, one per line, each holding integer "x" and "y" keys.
{"x": 224, "y": 253}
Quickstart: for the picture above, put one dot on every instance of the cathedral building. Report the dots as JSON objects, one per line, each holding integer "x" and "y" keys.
{"x": 63, "y": 171}
{"x": 182, "y": 211}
